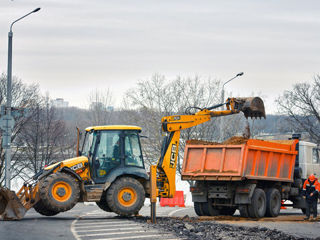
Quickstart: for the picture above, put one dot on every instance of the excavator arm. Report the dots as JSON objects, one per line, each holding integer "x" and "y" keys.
{"x": 163, "y": 174}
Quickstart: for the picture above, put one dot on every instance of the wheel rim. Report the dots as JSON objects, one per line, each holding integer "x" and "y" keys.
{"x": 127, "y": 196}
{"x": 61, "y": 191}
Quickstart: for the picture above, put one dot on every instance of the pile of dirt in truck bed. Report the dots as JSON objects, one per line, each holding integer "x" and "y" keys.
{"x": 235, "y": 141}
{"x": 192, "y": 228}
{"x": 231, "y": 141}
{"x": 201, "y": 142}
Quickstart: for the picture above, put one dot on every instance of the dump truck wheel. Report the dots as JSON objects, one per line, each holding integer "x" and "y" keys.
{"x": 102, "y": 204}
{"x": 198, "y": 208}
{"x": 43, "y": 210}
{"x": 208, "y": 209}
{"x": 273, "y": 202}
{"x": 228, "y": 211}
{"x": 257, "y": 208}
{"x": 59, "y": 192}
{"x": 126, "y": 196}
{"x": 243, "y": 209}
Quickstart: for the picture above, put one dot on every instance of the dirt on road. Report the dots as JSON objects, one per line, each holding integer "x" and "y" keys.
{"x": 204, "y": 228}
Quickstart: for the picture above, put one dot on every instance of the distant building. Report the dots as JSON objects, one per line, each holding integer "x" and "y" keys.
{"x": 60, "y": 103}
{"x": 110, "y": 109}
{"x": 99, "y": 106}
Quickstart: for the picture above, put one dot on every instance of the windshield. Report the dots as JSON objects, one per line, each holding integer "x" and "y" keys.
{"x": 87, "y": 144}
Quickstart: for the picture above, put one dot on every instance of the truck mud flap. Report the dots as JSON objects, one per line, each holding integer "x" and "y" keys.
{"x": 10, "y": 206}
{"x": 244, "y": 193}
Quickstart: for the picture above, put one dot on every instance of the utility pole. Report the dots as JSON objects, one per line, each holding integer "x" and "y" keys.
{"x": 222, "y": 108}
{"x": 7, "y": 121}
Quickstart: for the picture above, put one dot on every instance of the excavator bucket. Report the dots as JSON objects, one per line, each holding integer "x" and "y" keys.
{"x": 10, "y": 206}
{"x": 251, "y": 107}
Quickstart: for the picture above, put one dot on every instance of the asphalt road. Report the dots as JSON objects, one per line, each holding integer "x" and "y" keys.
{"x": 81, "y": 223}
{"x": 89, "y": 222}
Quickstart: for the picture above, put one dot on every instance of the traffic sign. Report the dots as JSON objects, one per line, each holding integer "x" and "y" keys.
{"x": 6, "y": 122}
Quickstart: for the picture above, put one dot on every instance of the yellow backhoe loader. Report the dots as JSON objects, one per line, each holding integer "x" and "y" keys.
{"x": 109, "y": 169}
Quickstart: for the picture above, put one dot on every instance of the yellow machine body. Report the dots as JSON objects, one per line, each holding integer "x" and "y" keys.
{"x": 79, "y": 165}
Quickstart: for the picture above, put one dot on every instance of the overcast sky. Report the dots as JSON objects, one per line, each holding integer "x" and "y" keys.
{"x": 71, "y": 47}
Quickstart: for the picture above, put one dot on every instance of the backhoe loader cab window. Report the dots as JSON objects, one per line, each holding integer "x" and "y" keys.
{"x": 87, "y": 144}
{"x": 133, "y": 155}
{"x": 107, "y": 154}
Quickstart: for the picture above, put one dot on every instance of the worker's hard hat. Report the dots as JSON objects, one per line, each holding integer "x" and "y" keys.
{"x": 312, "y": 177}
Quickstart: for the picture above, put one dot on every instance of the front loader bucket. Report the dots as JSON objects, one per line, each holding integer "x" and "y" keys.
{"x": 252, "y": 107}
{"x": 10, "y": 206}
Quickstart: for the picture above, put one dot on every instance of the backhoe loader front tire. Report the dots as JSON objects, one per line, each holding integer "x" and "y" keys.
{"x": 59, "y": 192}
{"x": 43, "y": 210}
{"x": 126, "y": 196}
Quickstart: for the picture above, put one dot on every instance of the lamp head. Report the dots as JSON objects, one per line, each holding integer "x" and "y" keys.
{"x": 240, "y": 74}
{"x": 36, "y": 10}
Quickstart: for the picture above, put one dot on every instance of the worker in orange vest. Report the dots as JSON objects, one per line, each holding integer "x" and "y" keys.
{"x": 311, "y": 188}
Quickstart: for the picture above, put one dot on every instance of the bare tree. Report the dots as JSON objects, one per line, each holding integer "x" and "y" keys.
{"x": 100, "y": 109}
{"x": 41, "y": 139}
{"x": 302, "y": 106}
{"x": 155, "y": 98}
{"x": 23, "y": 97}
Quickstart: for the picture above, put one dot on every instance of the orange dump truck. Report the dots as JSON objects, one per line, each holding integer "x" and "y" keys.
{"x": 254, "y": 177}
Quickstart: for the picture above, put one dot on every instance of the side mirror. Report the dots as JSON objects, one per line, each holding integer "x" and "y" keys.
{"x": 141, "y": 136}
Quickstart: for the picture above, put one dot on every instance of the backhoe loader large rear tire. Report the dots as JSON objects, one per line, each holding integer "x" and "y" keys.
{"x": 43, "y": 210}
{"x": 59, "y": 192}
{"x": 126, "y": 196}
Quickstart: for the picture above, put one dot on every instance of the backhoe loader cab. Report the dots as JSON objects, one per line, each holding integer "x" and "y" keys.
{"x": 109, "y": 148}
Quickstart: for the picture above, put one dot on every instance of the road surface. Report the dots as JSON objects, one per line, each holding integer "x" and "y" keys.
{"x": 81, "y": 223}
{"x": 89, "y": 222}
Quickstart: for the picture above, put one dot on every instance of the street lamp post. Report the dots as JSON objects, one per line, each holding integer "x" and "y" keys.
{"x": 222, "y": 101}
{"x": 7, "y": 120}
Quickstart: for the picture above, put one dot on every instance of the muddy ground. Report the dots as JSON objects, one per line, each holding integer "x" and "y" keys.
{"x": 205, "y": 229}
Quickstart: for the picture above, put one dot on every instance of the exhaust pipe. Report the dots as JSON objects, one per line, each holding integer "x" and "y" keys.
{"x": 11, "y": 207}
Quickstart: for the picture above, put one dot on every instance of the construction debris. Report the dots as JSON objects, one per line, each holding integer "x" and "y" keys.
{"x": 192, "y": 228}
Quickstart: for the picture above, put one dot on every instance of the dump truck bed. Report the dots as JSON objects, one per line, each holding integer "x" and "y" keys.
{"x": 255, "y": 159}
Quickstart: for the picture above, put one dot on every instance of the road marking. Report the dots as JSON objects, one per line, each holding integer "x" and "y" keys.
{"x": 175, "y": 211}
{"x": 108, "y": 225}
{"x": 111, "y": 229}
{"x": 130, "y": 237}
{"x": 116, "y": 233}
{"x": 105, "y": 223}
{"x": 94, "y": 224}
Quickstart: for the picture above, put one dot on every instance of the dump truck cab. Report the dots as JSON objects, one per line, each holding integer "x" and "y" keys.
{"x": 113, "y": 151}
